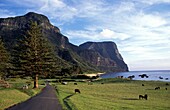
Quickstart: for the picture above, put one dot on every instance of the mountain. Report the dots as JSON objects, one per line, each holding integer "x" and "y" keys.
{"x": 14, "y": 28}
{"x": 104, "y": 55}
{"x": 91, "y": 56}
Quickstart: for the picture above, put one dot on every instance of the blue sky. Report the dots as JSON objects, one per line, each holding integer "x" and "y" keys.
{"x": 140, "y": 28}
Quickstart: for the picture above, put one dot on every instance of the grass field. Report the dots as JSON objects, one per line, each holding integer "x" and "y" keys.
{"x": 9, "y": 97}
{"x": 115, "y": 94}
{"x": 15, "y": 94}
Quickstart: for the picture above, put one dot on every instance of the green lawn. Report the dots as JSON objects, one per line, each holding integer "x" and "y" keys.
{"x": 115, "y": 94}
{"x": 9, "y": 97}
{"x": 15, "y": 94}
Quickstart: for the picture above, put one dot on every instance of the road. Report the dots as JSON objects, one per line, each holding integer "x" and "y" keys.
{"x": 46, "y": 100}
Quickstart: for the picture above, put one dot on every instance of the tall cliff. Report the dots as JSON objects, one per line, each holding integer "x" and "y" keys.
{"x": 14, "y": 28}
{"x": 104, "y": 55}
{"x": 88, "y": 56}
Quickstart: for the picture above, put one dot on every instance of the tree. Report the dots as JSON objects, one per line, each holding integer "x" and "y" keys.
{"x": 4, "y": 59}
{"x": 33, "y": 54}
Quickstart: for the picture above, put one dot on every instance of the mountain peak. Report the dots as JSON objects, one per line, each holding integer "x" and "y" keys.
{"x": 33, "y": 14}
{"x": 39, "y": 18}
{"x": 93, "y": 45}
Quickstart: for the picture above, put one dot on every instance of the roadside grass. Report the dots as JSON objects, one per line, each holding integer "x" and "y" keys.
{"x": 9, "y": 97}
{"x": 15, "y": 94}
{"x": 115, "y": 94}
{"x": 17, "y": 83}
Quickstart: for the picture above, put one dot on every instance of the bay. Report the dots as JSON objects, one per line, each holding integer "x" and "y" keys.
{"x": 155, "y": 75}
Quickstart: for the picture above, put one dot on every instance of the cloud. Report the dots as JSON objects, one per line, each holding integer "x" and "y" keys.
{"x": 148, "y": 20}
{"x": 151, "y": 2}
{"x": 57, "y": 9}
{"x": 103, "y": 35}
{"x": 28, "y": 3}
{"x": 124, "y": 7}
{"x": 64, "y": 12}
{"x": 6, "y": 13}
{"x": 54, "y": 9}
{"x": 153, "y": 64}
{"x": 139, "y": 33}
{"x": 107, "y": 33}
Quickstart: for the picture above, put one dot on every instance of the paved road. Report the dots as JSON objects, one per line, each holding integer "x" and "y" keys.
{"x": 46, "y": 100}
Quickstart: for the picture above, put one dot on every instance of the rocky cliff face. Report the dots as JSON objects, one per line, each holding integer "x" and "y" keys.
{"x": 14, "y": 28}
{"x": 92, "y": 56}
{"x": 105, "y": 55}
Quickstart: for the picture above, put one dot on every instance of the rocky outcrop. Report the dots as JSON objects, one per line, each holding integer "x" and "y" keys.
{"x": 105, "y": 55}
{"x": 89, "y": 56}
{"x": 14, "y": 28}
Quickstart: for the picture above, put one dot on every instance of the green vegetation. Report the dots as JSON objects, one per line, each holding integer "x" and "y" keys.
{"x": 35, "y": 51}
{"x": 4, "y": 59}
{"x": 114, "y": 94}
{"x": 17, "y": 83}
{"x": 10, "y": 97}
{"x": 15, "y": 94}
{"x": 33, "y": 56}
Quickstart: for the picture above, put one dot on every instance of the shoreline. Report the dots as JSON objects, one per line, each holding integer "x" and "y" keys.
{"x": 152, "y": 75}
{"x": 94, "y": 74}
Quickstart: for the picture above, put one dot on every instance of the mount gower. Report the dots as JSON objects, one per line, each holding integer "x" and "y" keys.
{"x": 90, "y": 56}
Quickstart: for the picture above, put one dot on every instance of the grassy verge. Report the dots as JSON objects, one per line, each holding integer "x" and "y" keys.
{"x": 115, "y": 94}
{"x": 10, "y": 97}
{"x": 16, "y": 94}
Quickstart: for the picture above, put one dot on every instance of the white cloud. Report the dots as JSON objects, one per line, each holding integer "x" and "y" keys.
{"x": 6, "y": 13}
{"x": 124, "y": 7}
{"x": 28, "y": 3}
{"x": 107, "y": 33}
{"x": 153, "y": 64}
{"x": 151, "y": 2}
{"x": 148, "y": 20}
{"x": 104, "y": 35}
{"x": 80, "y": 34}
{"x": 57, "y": 9}
{"x": 138, "y": 34}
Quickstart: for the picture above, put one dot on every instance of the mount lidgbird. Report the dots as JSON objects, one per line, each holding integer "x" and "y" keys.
{"x": 90, "y": 56}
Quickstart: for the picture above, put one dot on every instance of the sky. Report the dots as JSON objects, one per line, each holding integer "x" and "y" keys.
{"x": 140, "y": 28}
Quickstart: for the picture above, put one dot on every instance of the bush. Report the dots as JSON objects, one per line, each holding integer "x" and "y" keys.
{"x": 80, "y": 77}
{"x": 28, "y": 92}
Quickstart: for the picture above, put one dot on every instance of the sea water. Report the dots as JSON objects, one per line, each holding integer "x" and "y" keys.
{"x": 157, "y": 75}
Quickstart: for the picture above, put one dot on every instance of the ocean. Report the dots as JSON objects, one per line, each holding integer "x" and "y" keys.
{"x": 157, "y": 75}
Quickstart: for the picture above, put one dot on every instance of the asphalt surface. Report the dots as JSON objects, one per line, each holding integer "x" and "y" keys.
{"x": 46, "y": 100}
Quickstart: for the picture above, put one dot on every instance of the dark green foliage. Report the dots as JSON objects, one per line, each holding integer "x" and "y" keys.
{"x": 71, "y": 70}
{"x": 80, "y": 77}
{"x": 29, "y": 92}
{"x": 33, "y": 54}
{"x": 4, "y": 60}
